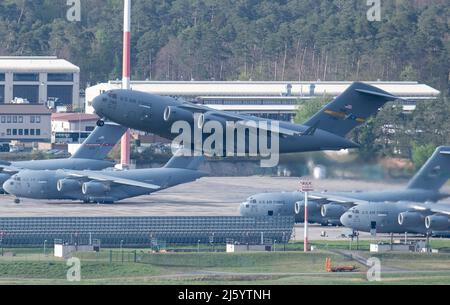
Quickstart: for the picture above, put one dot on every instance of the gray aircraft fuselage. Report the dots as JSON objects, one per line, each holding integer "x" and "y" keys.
{"x": 283, "y": 204}
{"x": 145, "y": 112}
{"x": 384, "y": 218}
{"x": 70, "y": 163}
{"x": 43, "y": 184}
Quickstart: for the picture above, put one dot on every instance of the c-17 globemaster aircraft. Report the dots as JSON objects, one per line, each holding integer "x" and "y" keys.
{"x": 107, "y": 186}
{"x": 324, "y": 131}
{"x": 90, "y": 155}
{"x": 400, "y": 217}
{"x": 328, "y": 207}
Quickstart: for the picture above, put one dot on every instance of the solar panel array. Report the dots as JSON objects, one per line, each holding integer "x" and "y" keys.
{"x": 139, "y": 231}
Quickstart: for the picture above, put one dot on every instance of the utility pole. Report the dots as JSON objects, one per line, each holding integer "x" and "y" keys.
{"x": 306, "y": 187}
{"x": 126, "y": 139}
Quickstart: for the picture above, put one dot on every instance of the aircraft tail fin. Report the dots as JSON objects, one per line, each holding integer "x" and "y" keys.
{"x": 350, "y": 109}
{"x": 184, "y": 162}
{"x": 98, "y": 145}
{"x": 434, "y": 173}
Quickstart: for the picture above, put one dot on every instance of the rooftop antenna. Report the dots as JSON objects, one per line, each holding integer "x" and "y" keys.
{"x": 126, "y": 139}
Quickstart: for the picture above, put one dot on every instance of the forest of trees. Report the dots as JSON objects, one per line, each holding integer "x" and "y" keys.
{"x": 239, "y": 39}
{"x": 281, "y": 40}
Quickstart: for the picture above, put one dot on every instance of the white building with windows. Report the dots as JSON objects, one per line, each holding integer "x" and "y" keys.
{"x": 39, "y": 80}
{"x": 25, "y": 123}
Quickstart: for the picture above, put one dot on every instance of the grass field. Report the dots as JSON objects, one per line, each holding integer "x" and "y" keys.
{"x": 30, "y": 266}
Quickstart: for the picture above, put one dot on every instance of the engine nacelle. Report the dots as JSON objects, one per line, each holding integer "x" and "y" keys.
{"x": 333, "y": 211}
{"x": 410, "y": 219}
{"x": 68, "y": 185}
{"x": 313, "y": 208}
{"x": 173, "y": 114}
{"x": 94, "y": 188}
{"x": 209, "y": 116}
{"x": 3, "y": 179}
{"x": 437, "y": 223}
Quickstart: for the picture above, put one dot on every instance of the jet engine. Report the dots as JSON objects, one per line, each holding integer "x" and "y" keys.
{"x": 3, "y": 178}
{"x": 313, "y": 208}
{"x": 410, "y": 219}
{"x": 209, "y": 116}
{"x": 94, "y": 188}
{"x": 68, "y": 185}
{"x": 437, "y": 223}
{"x": 333, "y": 211}
{"x": 173, "y": 114}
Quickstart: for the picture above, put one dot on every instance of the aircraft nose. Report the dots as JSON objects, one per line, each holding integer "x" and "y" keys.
{"x": 99, "y": 105}
{"x": 242, "y": 208}
{"x": 7, "y": 186}
{"x": 345, "y": 220}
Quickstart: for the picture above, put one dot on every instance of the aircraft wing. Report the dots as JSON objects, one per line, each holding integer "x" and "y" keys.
{"x": 239, "y": 119}
{"x": 437, "y": 208}
{"x": 328, "y": 198}
{"x": 102, "y": 177}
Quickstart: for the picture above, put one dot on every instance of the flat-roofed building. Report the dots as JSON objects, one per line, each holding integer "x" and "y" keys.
{"x": 39, "y": 80}
{"x": 25, "y": 123}
{"x": 274, "y": 100}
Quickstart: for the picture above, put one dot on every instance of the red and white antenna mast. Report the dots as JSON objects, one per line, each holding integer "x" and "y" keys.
{"x": 126, "y": 139}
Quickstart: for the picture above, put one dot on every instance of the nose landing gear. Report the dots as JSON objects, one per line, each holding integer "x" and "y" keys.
{"x": 17, "y": 201}
{"x": 100, "y": 123}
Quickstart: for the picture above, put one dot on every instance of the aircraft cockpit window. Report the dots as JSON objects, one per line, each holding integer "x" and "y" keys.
{"x": 254, "y": 201}
{"x": 112, "y": 95}
{"x": 105, "y": 99}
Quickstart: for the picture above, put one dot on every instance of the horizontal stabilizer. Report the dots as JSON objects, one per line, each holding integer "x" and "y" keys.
{"x": 374, "y": 93}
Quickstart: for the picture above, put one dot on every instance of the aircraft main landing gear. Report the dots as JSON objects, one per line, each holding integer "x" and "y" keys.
{"x": 17, "y": 201}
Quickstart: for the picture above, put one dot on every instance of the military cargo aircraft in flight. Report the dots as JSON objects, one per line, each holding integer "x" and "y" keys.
{"x": 107, "y": 186}
{"x": 400, "y": 217}
{"x": 326, "y": 130}
{"x": 90, "y": 155}
{"x": 328, "y": 207}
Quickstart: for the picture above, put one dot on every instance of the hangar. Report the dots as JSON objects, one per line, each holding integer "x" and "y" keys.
{"x": 38, "y": 80}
